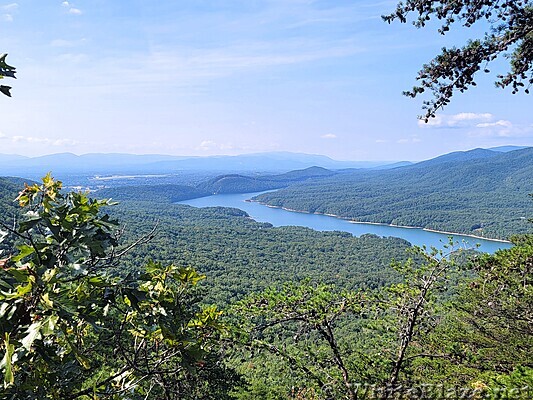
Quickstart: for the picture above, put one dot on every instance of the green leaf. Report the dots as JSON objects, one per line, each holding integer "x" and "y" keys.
{"x": 25, "y": 226}
{"x": 3, "y": 63}
{"x": 33, "y": 334}
{"x": 24, "y": 251}
{"x": 84, "y": 361}
{"x": 46, "y": 300}
{"x": 6, "y": 365}
{"x": 189, "y": 275}
{"x": 131, "y": 295}
{"x": 5, "y": 90}
{"x": 98, "y": 281}
{"x": 21, "y": 275}
{"x": 49, "y": 325}
{"x": 3, "y": 308}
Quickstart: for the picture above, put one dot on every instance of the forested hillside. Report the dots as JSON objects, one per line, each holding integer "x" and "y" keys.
{"x": 305, "y": 314}
{"x": 9, "y": 211}
{"x": 9, "y": 188}
{"x": 241, "y": 256}
{"x": 155, "y": 193}
{"x": 247, "y": 184}
{"x": 478, "y": 192}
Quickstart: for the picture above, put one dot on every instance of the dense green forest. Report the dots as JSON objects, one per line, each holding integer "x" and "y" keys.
{"x": 165, "y": 190}
{"x": 163, "y": 193}
{"x": 245, "y": 184}
{"x": 9, "y": 212}
{"x": 96, "y": 309}
{"x": 9, "y": 188}
{"x": 478, "y": 192}
{"x": 241, "y": 256}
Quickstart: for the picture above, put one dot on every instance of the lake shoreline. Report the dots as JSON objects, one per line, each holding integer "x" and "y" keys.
{"x": 381, "y": 223}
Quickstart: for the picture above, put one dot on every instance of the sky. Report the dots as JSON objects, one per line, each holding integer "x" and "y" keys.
{"x": 206, "y": 77}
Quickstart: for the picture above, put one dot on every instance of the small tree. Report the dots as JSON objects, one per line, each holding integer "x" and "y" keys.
{"x": 298, "y": 325}
{"x": 70, "y": 330}
{"x": 510, "y": 30}
{"x": 346, "y": 345}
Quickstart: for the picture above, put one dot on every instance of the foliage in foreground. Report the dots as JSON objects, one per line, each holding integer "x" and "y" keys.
{"x": 70, "y": 330}
{"x": 335, "y": 340}
{"x": 315, "y": 341}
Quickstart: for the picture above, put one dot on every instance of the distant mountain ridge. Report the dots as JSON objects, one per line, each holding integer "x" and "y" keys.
{"x": 274, "y": 162}
{"x": 459, "y": 156}
{"x": 119, "y": 163}
{"x": 505, "y": 149}
{"x": 481, "y": 191}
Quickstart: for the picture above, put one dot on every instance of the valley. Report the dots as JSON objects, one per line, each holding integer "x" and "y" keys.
{"x": 266, "y": 200}
{"x": 278, "y": 216}
{"x": 280, "y": 276}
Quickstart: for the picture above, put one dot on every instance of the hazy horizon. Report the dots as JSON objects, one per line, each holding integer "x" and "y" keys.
{"x": 244, "y": 154}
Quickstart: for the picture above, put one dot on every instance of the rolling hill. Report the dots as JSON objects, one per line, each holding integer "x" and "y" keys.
{"x": 235, "y": 183}
{"x": 478, "y": 192}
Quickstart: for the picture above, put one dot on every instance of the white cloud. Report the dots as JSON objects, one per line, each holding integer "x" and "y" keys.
{"x": 207, "y": 145}
{"x": 41, "y": 140}
{"x": 64, "y": 142}
{"x": 502, "y": 129}
{"x": 410, "y": 139}
{"x": 381, "y": 141}
{"x": 329, "y": 136}
{"x": 71, "y": 10}
{"x": 196, "y": 67}
{"x": 499, "y": 123}
{"x": 478, "y": 125}
{"x": 470, "y": 116}
{"x": 61, "y": 43}
{"x": 460, "y": 120}
{"x": 10, "y": 7}
{"x": 29, "y": 139}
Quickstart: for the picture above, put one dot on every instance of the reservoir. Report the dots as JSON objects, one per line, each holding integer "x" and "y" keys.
{"x": 280, "y": 217}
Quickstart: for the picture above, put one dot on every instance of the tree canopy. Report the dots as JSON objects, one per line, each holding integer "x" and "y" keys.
{"x": 72, "y": 327}
{"x": 509, "y": 33}
{"x": 71, "y": 330}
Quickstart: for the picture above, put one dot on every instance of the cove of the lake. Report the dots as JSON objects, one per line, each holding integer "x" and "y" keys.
{"x": 280, "y": 217}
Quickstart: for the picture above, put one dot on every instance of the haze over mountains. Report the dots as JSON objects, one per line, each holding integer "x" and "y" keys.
{"x": 130, "y": 163}
{"x": 481, "y": 192}
{"x": 119, "y": 163}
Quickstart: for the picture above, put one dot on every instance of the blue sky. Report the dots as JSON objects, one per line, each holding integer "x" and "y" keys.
{"x": 204, "y": 77}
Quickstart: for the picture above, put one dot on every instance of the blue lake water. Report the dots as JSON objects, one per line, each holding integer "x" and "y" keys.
{"x": 279, "y": 217}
